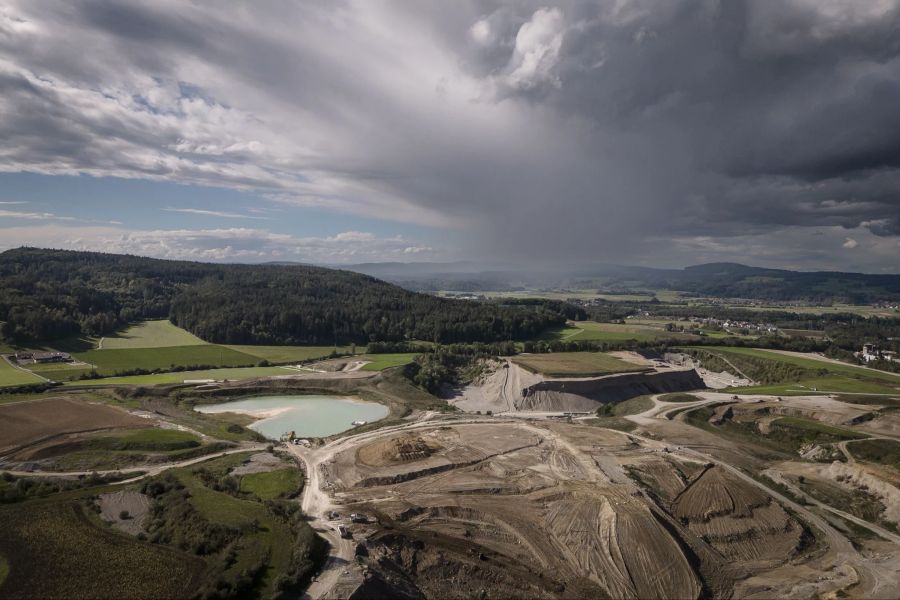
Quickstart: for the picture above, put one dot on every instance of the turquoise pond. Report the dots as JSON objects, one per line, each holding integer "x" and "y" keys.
{"x": 306, "y": 416}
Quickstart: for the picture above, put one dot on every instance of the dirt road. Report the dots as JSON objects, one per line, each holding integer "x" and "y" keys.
{"x": 316, "y": 505}
{"x": 147, "y": 471}
{"x": 877, "y": 579}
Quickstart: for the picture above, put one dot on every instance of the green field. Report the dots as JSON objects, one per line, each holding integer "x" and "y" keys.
{"x": 809, "y": 363}
{"x": 575, "y": 364}
{"x": 161, "y": 346}
{"x": 289, "y": 354}
{"x": 679, "y": 397}
{"x": 273, "y": 484}
{"x": 235, "y": 374}
{"x": 591, "y": 331}
{"x": 150, "y": 334}
{"x": 380, "y": 362}
{"x": 151, "y": 439}
{"x": 784, "y": 374}
{"x": 632, "y": 406}
{"x": 11, "y": 376}
{"x": 112, "y": 362}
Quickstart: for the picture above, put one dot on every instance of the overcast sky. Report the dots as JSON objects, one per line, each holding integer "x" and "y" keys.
{"x": 617, "y": 131}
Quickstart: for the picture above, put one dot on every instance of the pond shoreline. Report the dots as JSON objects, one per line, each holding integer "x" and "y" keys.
{"x": 306, "y": 415}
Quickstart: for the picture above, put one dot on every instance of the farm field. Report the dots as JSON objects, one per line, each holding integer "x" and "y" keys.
{"x": 113, "y": 361}
{"x": 590, "y": 331}
{"x": 380, "y": 362}
{"x": 111, "y": 450}
{"x": 232, "y": 374}
{"x": 856, "y": 309}
{"x": 287, "y": 354}
{"x": 11, "y": 376}
{"x": 28, "y": 422}
{"x": 150, "y": 334}
{"x": 792, "y": 374}
{"x": 809, "y": 363}
{"x": 575, "y": 364}
{"x": 54, "y": 549}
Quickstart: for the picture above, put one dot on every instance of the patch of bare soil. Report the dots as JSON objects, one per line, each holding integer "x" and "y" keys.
{"x": 737, "y": 519}
{"x": 28, "y": 423}
{"x": 125, "y": 510}
{"x": 511, "y": 517}
{"x": 262, "y": 462}
{"x": 396, "y": 450}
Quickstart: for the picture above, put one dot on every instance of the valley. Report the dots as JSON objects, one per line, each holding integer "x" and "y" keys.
{"x": 594, "y": 459}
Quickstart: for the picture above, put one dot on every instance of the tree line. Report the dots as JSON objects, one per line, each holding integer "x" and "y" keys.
{"x": 52, "y": 294}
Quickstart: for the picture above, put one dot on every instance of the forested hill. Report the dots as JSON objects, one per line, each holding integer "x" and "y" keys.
{"x": 50, "y": 294}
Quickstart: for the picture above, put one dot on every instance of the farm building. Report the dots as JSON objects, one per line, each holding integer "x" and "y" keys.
{"x": 44, "y": 357}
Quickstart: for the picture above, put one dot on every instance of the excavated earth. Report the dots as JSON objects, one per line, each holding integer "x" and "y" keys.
{"x": 553, "y": 510}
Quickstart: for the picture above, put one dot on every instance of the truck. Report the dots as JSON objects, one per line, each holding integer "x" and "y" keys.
{"x": 345, "y": 533}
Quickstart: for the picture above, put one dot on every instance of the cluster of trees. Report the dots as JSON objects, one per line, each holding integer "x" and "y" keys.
{"x": 50, "y": 294}
{"x": 16, "y": 489}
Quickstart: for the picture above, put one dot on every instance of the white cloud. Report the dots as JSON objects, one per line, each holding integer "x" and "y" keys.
{"x": 213, "y": 213}
{"x": 481, "y": 32}
{"x": 15, "y": 214}
{"x": 225, "y": 244}
{"x": 537, "y": 49}
{"x": 850, "y": 243}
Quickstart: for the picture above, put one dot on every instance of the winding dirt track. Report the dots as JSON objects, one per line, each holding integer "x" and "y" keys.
{"x": 146, "y": 471}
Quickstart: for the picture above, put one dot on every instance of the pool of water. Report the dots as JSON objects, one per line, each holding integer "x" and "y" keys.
{"x": 306, "y": 416}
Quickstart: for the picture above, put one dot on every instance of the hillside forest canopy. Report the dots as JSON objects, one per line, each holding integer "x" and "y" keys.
{"x": 52, "y": 294}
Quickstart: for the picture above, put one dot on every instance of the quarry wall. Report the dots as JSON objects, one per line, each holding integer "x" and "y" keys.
{"x": 583, "y": 395}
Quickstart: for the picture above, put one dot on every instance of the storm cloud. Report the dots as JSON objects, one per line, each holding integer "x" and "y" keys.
{"x": 632, "y": 131}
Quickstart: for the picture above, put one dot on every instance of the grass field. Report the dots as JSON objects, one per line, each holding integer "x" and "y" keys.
{"x": 54, "y": 550}
{"x": 273, "y": 484}
{"x": 785, "y": 374}
{"x": 287, "y": 354}
{"x": 151, "y": 334}
{"x": 809, "y": 363}
{"x": 591, "y": 331}
{"x": 885, "y": 452}
{"x": 153, "y": 439}
{"x": 110, "y": 362}
{"x": 11, "y": 376}
{"x": 632, "y": 406}
{"x": 575, "y": 364}
{"x": 679, "y": 397}
{"x": 380, "y": 362}
{"x": 235, "y": 374}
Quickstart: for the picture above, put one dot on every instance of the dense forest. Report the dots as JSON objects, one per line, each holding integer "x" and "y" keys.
{"x": 51, "y": 294}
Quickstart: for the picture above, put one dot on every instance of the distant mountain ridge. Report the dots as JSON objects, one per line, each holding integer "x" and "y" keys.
{"x": 723, "y": 280}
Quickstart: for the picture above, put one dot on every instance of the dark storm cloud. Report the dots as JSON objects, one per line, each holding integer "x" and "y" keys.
{"x": 579, "y": 130}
